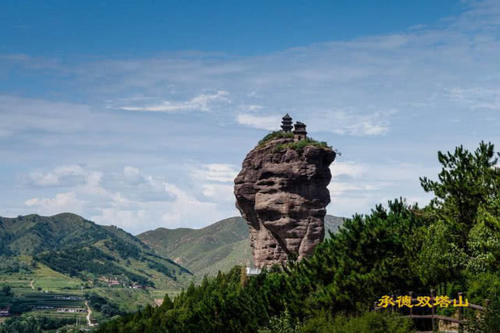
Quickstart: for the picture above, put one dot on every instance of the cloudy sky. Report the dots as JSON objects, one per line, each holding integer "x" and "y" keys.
{"x": 139, "y": 114}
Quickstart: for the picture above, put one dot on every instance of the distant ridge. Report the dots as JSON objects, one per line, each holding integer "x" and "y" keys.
{"x": 218, "y": 246}
{"x": 74, "y": 246}
{"x": 161, "y": 258}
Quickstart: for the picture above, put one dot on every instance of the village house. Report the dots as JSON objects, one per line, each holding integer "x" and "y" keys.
{"x": 71, "y": 310}
{"x": 110, "y": 282}
{"x": 4, "y": 312}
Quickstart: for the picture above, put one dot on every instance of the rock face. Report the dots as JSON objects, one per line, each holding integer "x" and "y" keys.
{"x": 282, "y": 194}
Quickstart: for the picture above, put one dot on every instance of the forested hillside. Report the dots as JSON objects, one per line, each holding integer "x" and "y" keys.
{"x": 71, "y": 245}
{"x": 451, "y": 245}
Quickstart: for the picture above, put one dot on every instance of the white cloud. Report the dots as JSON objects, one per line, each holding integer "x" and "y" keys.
{"x": 133, "y": 176}
{"x": 144, "y": 187}
{"x": 25, "y": 115}
{"x": 44, "y": 179}
{"x": 219, "y": 192}
{"x": 378, "y": 98}
{"x": 348, "y": 122}
{"x": 251, "y": 107}
{"x": 134, "y": 200}
{"x": 218, "y": 172}
{"x": 214, "y": 178}
{"x": 262, "y": 122}
{"x": 128, "y": 187}
{"x": 66, "y": 175}
{"x": 62, "y": 202}
{"x": 349, "y": 169}
{"x": 93, "y": 185}
{"x": 187, "y": 210}
{"x": 201, "y": 102}
{"x": 476, "y": 98}
{"x": 358, "y": 187}
{"x": 127, "y": 219}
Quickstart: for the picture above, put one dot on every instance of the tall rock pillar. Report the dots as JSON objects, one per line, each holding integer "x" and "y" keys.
{"x": 282, "y": 193}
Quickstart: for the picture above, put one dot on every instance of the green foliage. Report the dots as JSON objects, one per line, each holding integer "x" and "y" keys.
{"x": 487, "y": 322}
{"x": 350, "y": 270}
{"x": 298, "y": 145}
{"x": 466, "y": 182}
{"x": 369, "y": 322}
{"x": 483, "y": 244}
{"x": 124, "y": 249}
{"x": 9, "y": 265}
{"x": 27, "y": 301}
{"x": 74, "y": 261}
{"x": 436, "y": 258}
{"x": 7, "y": 291}
{"x": 216, "y": 247}
{"x": 482, "y": 286}
{"x": 32, "y": 234}
{"x": 464, "y": 238}
{"x": 161, "y": 268}
{"x": 283, "y": 324}
{"x": 275, "y": 135}
{"x": 301, "y": 144}
{"x": 369, "y": 256}
{"x": 33, "y": 324}
{"x": 4, "y": 250}
{"x": 74, "y": 246}
{"x": 103, "y": 305}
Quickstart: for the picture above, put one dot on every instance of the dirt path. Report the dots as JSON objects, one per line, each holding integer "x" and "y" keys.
{"x": 89, "y": 312}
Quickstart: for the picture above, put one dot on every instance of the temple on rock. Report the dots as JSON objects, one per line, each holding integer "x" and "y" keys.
{"x": 282, "y": 193}
{"x": 286, "y": 123}
{"x": 299, "y": 129}
{"x": 299, "y": 132}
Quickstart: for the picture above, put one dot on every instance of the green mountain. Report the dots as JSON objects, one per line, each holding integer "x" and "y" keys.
{"x": 217, "y": 247}
{"x": 76, "y": 247}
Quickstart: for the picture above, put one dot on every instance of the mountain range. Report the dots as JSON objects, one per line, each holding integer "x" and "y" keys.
{"x": 218, "y": 246}
{"x": 74, "y": 246}
{"x": 161, "y": 258}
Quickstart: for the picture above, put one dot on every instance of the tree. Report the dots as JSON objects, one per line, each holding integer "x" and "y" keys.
{"x": 466, "y": 182}
{"x": 488, "y": 321}
{"x": 7, "y": 291}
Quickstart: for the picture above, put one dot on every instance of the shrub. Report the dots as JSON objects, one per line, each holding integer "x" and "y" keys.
{"x": 275, "y": 135}
{"x": 7, "y": 291}
{"x": 369, "y": 322}
{"x": 487, "y": 322}
{"x": 283, "y": 324}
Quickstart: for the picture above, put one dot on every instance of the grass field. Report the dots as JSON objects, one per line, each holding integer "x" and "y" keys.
{"x": 161, "y": 293}
{"x": 77, "y": 317}
{"x": 50, "y": 280}
{"x": 43, "y": 291}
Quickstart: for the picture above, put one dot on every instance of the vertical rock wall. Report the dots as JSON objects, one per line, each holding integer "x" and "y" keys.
{"x": 282, "y": 194}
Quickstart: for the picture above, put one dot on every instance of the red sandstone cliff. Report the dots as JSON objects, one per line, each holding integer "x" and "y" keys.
{"x": 281, "y": 191}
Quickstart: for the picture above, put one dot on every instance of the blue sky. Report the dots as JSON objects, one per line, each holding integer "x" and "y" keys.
{"x": 139, "y": 114}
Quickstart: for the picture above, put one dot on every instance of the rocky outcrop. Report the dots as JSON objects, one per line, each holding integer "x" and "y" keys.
{"x": 281, "y": 191}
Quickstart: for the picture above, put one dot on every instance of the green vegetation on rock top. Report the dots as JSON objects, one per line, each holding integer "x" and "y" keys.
{"x": 298, "y": 145}
{"x": 275, "y": 135}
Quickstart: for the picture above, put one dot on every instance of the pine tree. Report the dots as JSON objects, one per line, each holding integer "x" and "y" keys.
{"x": 467, "y": 181}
